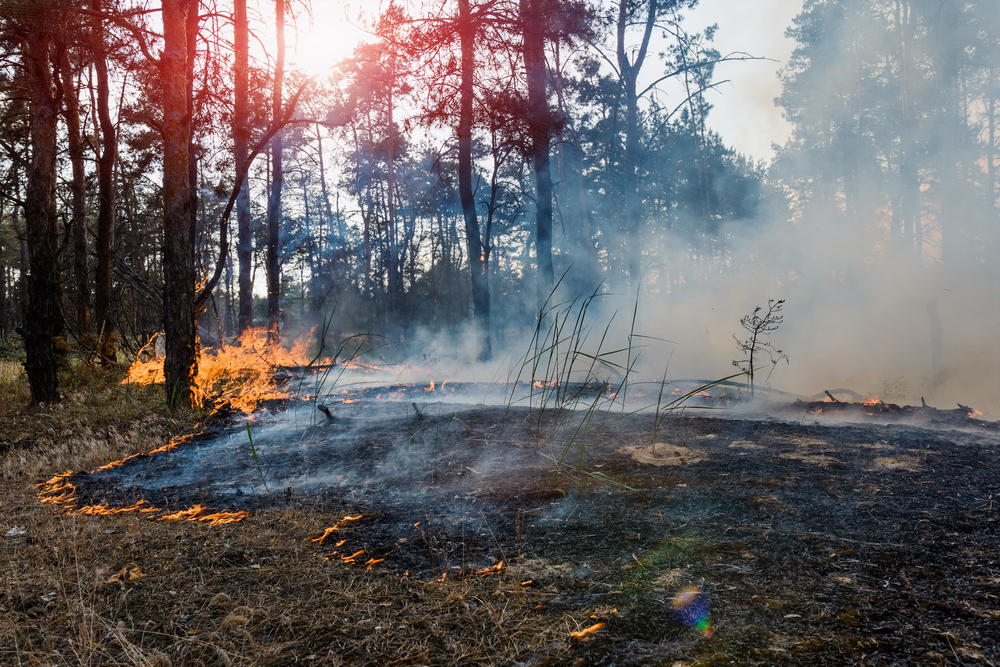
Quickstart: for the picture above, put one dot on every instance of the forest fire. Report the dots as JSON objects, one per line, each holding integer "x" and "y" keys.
{"x": 62, "y": 493}
{"x": 241, "y": 375}
{"x": 874, "y": 407}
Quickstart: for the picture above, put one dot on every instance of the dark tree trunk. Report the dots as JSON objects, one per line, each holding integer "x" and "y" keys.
{"x": 273, "y": 260}
{"x": 630, "y": 190}
{"x": 241, "y": 136}
{"x": 477, "y": 263}
{"x": 105, "y": 195}
{"x": 42, "y": 318}
{"x": 181, "y": 363}
{"x": 909, "y": 176}
{"x": 4, "y": 318}
{"x": 78, "y": 188}
{"x": 191, "y": 25}
{"x": 331, "y": 283}
{"x": 394, "y": 279}
{"x": 533, "y": 25}
{"x": 272, "y": 255}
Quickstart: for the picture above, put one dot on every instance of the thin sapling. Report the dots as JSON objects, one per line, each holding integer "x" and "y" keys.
{"x": 759, "y": 325}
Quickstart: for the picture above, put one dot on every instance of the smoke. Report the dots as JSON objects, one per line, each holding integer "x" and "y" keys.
{"x": 862, "y": 312}
{"x": 880, "y": 326}
{"x": 744, "y": 112}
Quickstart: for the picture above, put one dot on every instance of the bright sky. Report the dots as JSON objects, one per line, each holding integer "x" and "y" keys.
{"x": 744, "y": 112}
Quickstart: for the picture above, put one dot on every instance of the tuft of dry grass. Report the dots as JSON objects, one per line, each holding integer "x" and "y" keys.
{"x": 122, "y": 590}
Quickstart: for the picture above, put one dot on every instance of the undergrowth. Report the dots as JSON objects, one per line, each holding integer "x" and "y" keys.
{"x": 123, "y": 590}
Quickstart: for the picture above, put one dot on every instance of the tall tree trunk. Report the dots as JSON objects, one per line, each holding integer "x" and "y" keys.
{"x": 277, "y": 178}
{"x": 477, "y": 258}
{"x": 314, "y": 288}
{"x": 908, "y": 167}
{"x": 4, "y": 318}
{"x": 393, "y": 233}
{"x": 336, "y": 239}
{"x": 42, "y": 317}
{"x": 181, "y": 364}
{"x": 191, "y": 25}
{"x": 106, "y": 195}
{"x": 630, "y": 183}
{"x": 533, "y": 21}
{"x": 78, "y": 188}
{"x": 241, "y": 136}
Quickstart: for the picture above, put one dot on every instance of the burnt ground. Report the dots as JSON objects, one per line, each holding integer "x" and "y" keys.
{"x": 869, "y": 544}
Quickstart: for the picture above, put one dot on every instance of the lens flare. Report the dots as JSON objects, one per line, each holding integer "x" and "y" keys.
{"x": 690, "y": 607}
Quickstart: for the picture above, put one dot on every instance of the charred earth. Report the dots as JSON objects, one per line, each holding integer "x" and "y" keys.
{"x": 865, "y": 543}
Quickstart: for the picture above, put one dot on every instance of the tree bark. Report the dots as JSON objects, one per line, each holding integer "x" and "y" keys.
{"x": 191, "y": 25}
{"x": 78, "y": 188}
{"x": 395, "y": 281}
{"x": 629, "y": 72}
{"x": 241, "y": 137}
{"x": 42, "y": 317}
{"x": 909, "y": 176}
{"x": 330, "y": 290}
{"x": 181, "y": 363}
{"x": 106, "y": 195}
{"x": 273, "y": 260}
{"x": 533, "y": 21}
{"x": 3, "y": 293}
{"x": 477, "y": 258}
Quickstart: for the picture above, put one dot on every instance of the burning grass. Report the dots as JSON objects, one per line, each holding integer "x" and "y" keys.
{"x": 105, "y": 585}
{"x": 241, "y": 375}
{"x": 118, "y": 590}
{"x": 837, "y": 553}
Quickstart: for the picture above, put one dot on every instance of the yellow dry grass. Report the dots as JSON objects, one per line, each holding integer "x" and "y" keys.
{"x": 122, "y": 590}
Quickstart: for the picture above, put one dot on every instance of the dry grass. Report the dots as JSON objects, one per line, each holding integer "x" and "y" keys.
{"x": 252, "y": 593}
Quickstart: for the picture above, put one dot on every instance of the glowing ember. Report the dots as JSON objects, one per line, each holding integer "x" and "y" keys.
{"x": 495, "y": 569}
{"x": 336, "y": 527}
{"x": 350, "y": 559}
{"x": 586, "y": 632}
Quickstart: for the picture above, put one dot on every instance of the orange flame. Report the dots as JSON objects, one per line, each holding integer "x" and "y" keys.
{"x": 586, "y": 632}
{"x": 350, "y": 559}
{"x": 58, "y": 491}
{"x": 196, "y": 513}
{"x": 239, "y": 375}
{"x": 335, "y": 527}
{"x": 495, "y": 569}
{"x": 872, "y": 401}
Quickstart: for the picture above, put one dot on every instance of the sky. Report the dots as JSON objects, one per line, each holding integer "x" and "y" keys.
{"x": 744, "y": 112}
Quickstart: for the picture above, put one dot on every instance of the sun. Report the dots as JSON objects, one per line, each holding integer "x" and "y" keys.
{"x": 316, "y": 45}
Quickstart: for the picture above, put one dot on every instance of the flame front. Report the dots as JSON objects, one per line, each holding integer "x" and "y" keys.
{"x": 239, "y": 375}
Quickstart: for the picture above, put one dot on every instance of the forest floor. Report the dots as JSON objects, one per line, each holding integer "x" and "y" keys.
{"x": 476, "y": 536}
